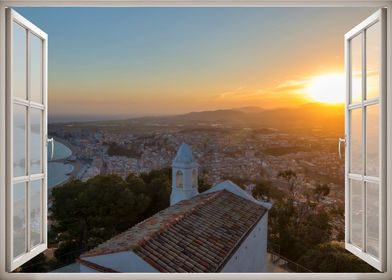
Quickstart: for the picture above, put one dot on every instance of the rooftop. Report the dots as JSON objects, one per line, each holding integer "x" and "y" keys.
{"x": 195, "y": 235}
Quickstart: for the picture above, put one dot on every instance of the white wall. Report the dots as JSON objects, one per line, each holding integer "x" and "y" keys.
{"x": 122, "y": 262}
{"x": 251, "y": 256}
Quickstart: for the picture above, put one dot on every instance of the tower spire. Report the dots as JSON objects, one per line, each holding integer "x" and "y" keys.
{"x": 184, "y": 175}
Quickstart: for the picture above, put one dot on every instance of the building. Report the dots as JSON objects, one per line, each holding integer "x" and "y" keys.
{"x": 221, "y": 230}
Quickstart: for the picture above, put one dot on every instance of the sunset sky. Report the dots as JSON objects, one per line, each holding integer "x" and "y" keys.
{"x": 107, "y": 63}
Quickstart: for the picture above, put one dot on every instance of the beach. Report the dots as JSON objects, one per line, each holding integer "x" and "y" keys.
{"x": 59, "y": 171}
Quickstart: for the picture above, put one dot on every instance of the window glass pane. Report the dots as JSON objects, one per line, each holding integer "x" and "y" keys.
{"x": 19, "y": 215}
{"x": 19, "y": 140}
{"x": 35, "y": 212}
{"x": 372, "y": 219}
{"x": 36, "y": 68}
{"x": 356, "y": 141}
{"x": 36, "y": 140}
{"x": 356, "y": 69}
{"x": 19, "y": 73}
{"x": 373, "y": 41}
{"x": 356, "y": 212}
{"x": 372, "y": 140}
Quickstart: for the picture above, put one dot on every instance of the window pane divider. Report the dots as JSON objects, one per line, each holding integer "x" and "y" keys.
{"x": 363, "y": 148}
{"x": 37, "y": 105}
{"x": 18, "y": 101}
{"x": 28, "y": 148}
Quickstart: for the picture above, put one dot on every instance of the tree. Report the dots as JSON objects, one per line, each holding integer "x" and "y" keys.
{"x": 332, "y": 257}
{"x": 136, "y": 183}
{"x": 293, "y": 181}
{"x": 296, "y": 227}
{"x": 203, "y": 185}
{"x": 265, "y": 191}
{"x": 262, "y": 191}
{"x": 85, "y": 214}
{"x": 321, "y": 191}
{"x": 157, "y": 186}
{"x": 67, "y": 252}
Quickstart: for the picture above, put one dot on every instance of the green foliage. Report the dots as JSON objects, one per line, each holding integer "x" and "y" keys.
{"x": 301, "y": 229}
{"x": 264, "y": 191}
{"x": 297, "y": 226}
{"x": 85, "y": 214}
{"x": 91, "y": 212}
{"x": 292, "y": 180}
{"x": 203, "y": 185}
{"x": 321, "y": 190}
{"x": 333, "y": 257}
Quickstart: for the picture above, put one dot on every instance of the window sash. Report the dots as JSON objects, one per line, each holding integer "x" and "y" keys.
{"x": 379, "y": 263}
{"x": 30, "y": 251}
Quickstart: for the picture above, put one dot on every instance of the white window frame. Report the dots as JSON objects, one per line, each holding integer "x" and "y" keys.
{"x": 189, "y": 3}
{"x": 14, "y": 17}
{"x": 377, "y": 17}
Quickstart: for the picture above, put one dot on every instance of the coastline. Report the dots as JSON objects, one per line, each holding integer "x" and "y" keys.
{"x": 76, "y": 164}
{"x": 69, "y": 173}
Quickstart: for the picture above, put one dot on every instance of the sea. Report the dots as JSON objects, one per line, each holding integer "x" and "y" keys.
{"x": 58, "y": 172}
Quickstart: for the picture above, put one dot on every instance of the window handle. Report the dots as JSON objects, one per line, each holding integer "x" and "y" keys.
{"x": 341, "y": 140}
{"x": 51, "y": 141}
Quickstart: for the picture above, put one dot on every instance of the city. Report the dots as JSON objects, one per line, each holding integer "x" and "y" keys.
{"x": 245, "y": 155}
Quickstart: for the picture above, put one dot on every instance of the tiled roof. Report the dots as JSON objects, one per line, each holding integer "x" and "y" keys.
{"x": 195, "y": 235}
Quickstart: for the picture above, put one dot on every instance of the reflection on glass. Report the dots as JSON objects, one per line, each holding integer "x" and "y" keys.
{"x": 356, "y": 142}
{"x": 36, "y": 68}
{"x": 19, "y": 73}
{"x": 19, "y": 219}
{"x": 372, "y": 202}
{"x": 356, "y": 212}
{"x": 356, "y": 69}
{"x": 35, "y": 212}
{"x": 36, "y": 141}
{"x": 19, "y": 141}
{"x": 372, "y": 140}
{"x": 373, "y": 61}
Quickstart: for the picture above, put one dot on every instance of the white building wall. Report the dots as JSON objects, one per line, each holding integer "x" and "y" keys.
{"x": 251, "y": 256}
{"x": 122, "y": 262}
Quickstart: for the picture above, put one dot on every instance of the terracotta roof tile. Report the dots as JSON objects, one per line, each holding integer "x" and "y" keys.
{"x": 195, "y": 235}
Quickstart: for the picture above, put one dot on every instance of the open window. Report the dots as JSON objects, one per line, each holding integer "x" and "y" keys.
{"x": 365, "y": 170}
{"x": 26, "y": 140}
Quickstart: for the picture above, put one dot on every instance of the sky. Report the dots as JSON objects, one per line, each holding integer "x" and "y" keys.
{"x": 108, "y": 63}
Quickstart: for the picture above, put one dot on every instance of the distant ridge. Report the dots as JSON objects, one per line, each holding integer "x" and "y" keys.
{"x": 305, "y": 116}
{"x": 249, "y": 109}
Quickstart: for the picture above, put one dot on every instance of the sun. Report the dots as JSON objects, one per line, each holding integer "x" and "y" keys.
{"x": 327, "y": 88}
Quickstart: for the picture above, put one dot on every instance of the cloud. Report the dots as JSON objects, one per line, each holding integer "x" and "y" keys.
{"x": 287, "y": 87}
{"x": 292, "y": 86}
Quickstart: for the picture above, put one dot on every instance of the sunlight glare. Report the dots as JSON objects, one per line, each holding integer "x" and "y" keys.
{"x": 328, "y": 88}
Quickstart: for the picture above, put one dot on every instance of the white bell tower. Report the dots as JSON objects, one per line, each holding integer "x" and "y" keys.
{"x": 184, "y": 175}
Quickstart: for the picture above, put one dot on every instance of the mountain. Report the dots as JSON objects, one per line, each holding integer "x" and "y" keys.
{"x": 307, "y": 115}
{"x": 249, "y": 109}
{"x": 312, "y": 115}
{"x": 213, "y": 116}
